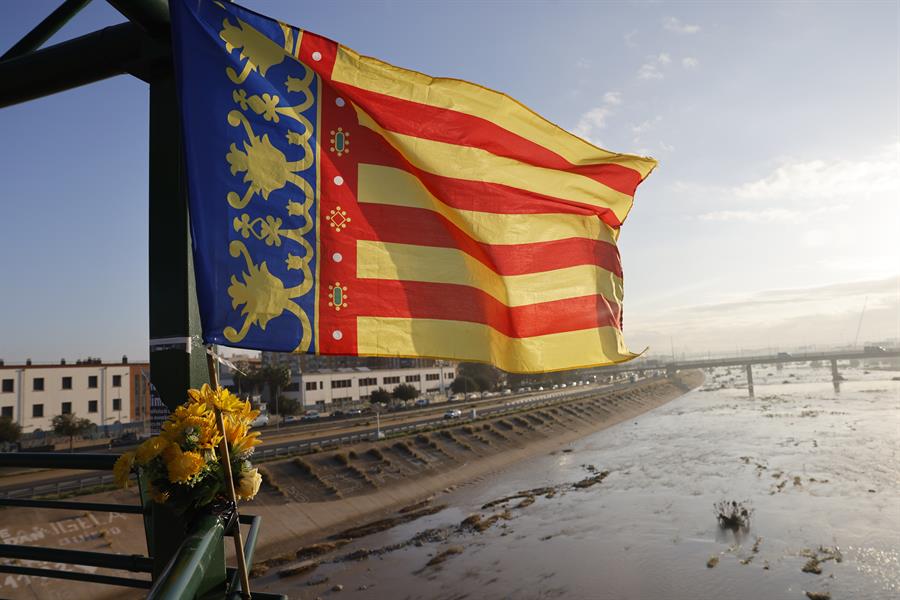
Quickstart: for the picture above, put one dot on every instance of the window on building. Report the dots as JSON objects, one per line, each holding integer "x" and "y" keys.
{"x": 341, "y": 383}
{"x": 37, "y": 410}
{"x": 37, "y": 384}
{"x": 448, "y": 375}
{"x": 67, "y": 383}
{"x": 368, "y": 381}
{"x": 92, "y": 406}
{"x": 432, "y": 376}
{"x": 66, "y": 408}
{"x": 117, "y": 381}
{"x": 321, "y": 385}
{"x": 312, "y": 386}
{"x": 92, "y": 381}
{"x": 412, "y": 378}
{"x": 388, "y": 380}
{"x": 117, "y": 404}
{"x": 6, "y": 411}
{"x": 7, "y": 385}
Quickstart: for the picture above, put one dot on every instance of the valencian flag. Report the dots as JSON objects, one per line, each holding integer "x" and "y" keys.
{"x": 342, "y": 205}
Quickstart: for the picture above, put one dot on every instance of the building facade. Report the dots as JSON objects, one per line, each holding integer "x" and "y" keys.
{"x": 334, "y": 388}
{"x": 105, "y": 393}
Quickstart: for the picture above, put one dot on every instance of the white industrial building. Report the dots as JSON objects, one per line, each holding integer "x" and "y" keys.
{"x": 31, "y": 395}
{"x": 329, "y": 388}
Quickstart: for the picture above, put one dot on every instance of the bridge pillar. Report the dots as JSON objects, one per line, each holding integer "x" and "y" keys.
{"x": 835, "y": 376}
{"x": 750, "y": 380}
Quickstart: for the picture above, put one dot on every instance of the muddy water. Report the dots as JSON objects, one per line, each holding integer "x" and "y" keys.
{"x": 818, "y": 468}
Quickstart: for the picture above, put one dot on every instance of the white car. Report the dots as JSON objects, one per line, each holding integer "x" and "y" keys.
{"x": 261, "y": 421}
{"x": 452, "y": 414}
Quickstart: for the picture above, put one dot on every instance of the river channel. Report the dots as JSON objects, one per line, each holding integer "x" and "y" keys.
{"x": 819, "y": 469}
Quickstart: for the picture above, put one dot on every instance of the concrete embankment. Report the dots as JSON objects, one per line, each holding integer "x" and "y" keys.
{"x": 307, "y": 499}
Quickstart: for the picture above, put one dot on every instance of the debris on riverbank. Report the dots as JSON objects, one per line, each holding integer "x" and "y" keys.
{"x": 733, "y": 515}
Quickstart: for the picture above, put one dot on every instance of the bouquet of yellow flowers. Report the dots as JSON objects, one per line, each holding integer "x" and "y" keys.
{"x": 182, "y": 464}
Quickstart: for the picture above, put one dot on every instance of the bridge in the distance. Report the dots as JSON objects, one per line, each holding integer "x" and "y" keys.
{"x": 642, "y": 366}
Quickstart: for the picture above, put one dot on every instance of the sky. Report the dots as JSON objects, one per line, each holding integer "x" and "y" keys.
{"x": 772, "y": 220}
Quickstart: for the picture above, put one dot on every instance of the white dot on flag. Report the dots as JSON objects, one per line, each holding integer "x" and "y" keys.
{"x": 339, "y": 101}
{"x": 336, "y": 334}
{"x": 317, "y": 56}
{"x": 337, "y": 257}
{"x": 338, "y": 180}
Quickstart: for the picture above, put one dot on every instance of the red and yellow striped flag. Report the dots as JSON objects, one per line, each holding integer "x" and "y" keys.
{"x": 446, "y": 219}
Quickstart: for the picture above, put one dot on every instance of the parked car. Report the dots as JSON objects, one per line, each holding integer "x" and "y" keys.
{"x": 422, "y": 402}
{"x": 338, "y": 413}
{"x": 452, "y": 414}
{"x": 878, "y": 349}
{"x": 354, "y": 412}
{"x": 310, "y": 415}
{"x": 261, "y": 420}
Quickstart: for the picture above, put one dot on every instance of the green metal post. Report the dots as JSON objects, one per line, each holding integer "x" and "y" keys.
{"x": 177, "y": 357}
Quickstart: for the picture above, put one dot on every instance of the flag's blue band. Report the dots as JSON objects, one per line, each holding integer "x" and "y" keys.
{"x": 249, "y": 114}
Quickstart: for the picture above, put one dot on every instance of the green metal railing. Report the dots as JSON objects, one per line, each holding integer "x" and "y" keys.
{"x": 196, "y": 570}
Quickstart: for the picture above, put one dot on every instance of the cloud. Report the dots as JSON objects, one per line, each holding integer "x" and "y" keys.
{"x": 645, "y": 126}
{"x": 820, "y": 314}
{"x": 675, "y": 25}
{"x": 689, "y": 62}
{"x": 595, "y": 119}
{"x": 612, "y": 98}
{"x": 812, "y": 182}
{"x": 629, "y": 38}
{"x": 651, "y": 69}
{"x": 770, "y": 215}
{"x": 821, "y": 179}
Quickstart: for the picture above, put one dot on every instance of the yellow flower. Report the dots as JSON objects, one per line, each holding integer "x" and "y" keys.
{"x": 157, "y": 495}
{"x": 182, "y": 466}
{"x": 122, "y": 469}
{"x": 192, "y": 424}
{"x": 235, "y": 428}
{"x": 246, "y": 443}
{"x": 219, "y": 398}
{"x": 150, "y": 449}
{"x": 248, "y": 485}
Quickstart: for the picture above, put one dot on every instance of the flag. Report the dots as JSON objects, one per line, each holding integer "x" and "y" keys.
{"x": 342, "y": 205}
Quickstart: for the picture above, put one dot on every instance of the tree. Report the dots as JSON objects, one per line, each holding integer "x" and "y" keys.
{"x": 10, "y": 431}
{"x": 380, "y": 396}
{"x": 288, "y": 406}
{"x": 404, "y": 392}
{"x": 463, "y": 385}
{"x": 485, "y": 376}
{"x": 70, "y": 425}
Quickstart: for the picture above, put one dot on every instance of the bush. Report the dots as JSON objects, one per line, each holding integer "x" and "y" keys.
{"x": 10, "y": 431}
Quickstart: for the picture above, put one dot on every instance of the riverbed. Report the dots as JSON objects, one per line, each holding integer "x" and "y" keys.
{"x": 818, "y": 470}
